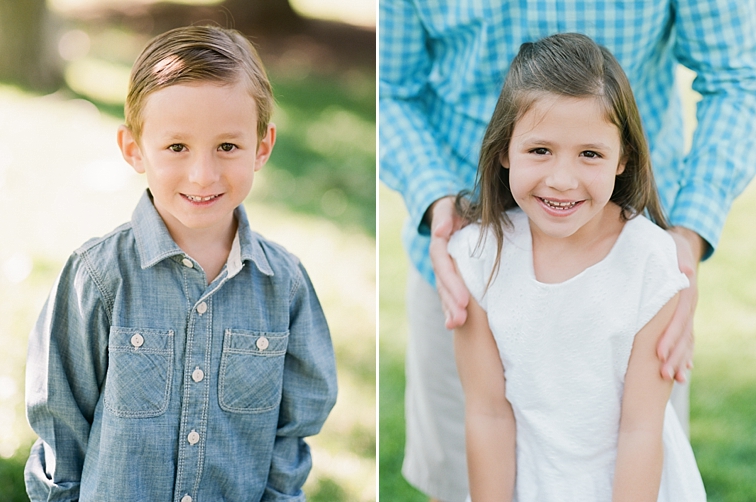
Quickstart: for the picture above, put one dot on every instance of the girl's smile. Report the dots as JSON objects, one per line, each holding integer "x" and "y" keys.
{"x": 558, "y": 207}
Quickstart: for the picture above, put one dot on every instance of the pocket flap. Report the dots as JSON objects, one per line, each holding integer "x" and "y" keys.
{"x": 144, "y": 340}
{"x": 256, "y": 342}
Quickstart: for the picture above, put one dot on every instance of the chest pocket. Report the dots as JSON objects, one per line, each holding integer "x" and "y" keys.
{"x": 140, "y": 368}
{"x": 251, "y": 371}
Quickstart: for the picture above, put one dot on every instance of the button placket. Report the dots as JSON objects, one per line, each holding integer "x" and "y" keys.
{"x": 198, "y": 375}
{"x": 193, "y": 437}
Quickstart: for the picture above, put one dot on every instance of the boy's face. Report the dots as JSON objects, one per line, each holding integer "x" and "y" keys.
{"x": 199, "y": 149}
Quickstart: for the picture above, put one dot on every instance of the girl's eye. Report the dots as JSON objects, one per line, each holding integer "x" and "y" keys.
{"x": 540, "y": 151}
{"x": 227, "y": 147}
{"x": 177, "y": 147}
{"x": 591, "y": 154}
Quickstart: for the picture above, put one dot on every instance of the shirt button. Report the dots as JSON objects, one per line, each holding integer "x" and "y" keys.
{"x": 198, "y": 374}
{"x": 193, "y": 437}
{"x": 137, "y": 340}
{"x": 188, "y": 264}
{"x": 202, "y": 308}
{"x": 186, "y": 498}
{"x": 262, "y": 343}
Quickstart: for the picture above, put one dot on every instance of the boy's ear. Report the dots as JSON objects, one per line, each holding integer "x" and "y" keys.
{"x": 265, "y": 148}
{"x": 504, "y": 160}
{"x": 130, "y": 149}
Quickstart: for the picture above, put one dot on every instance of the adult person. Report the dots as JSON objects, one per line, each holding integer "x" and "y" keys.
{"x": 441, "y": 68}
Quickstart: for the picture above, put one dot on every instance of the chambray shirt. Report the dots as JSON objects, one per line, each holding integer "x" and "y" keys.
{"x": 145, "y": 383}
{"x": 442, "y": 65}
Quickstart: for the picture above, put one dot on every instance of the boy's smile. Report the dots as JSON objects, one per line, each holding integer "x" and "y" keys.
{"x": 199, "y": 149}
{"x": 563, "y": 159}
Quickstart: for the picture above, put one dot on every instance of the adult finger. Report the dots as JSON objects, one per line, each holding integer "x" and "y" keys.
{"x": 675, "y": 348}
{"x": 451, "y": 288}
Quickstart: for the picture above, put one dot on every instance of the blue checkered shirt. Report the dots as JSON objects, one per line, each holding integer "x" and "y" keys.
{"x": 442, "y": 64}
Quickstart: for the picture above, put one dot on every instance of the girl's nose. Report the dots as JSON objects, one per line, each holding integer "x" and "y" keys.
{"x": 562, "y": 177}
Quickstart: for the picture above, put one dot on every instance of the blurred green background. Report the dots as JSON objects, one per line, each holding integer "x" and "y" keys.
{"x": 64, "y": 66}
{"x": 723, "y": 407}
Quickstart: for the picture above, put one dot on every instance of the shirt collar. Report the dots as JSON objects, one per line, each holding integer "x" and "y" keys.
{"x": 154, "y": 242}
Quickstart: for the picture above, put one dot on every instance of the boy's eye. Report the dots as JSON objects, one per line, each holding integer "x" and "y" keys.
{"x": 227, "y": 147}
{"x": 591, "y": 154}
{"x": 177, "y": 147}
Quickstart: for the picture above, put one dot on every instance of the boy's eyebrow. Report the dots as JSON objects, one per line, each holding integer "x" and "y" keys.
{"x": 183, "y": 136}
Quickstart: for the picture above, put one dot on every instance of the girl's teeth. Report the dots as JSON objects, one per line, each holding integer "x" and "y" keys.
{"x": 559, "y": 205}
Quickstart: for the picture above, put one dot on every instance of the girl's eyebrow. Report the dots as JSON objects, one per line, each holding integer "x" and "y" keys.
{"x": 529, "y": 141}
{"x": 595, "y": 146}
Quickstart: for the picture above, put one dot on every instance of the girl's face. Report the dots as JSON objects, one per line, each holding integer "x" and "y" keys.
{"x": 563, "y": 159}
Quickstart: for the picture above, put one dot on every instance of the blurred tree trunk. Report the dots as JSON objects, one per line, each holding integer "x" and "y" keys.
{"x": 26, "y": 56}
{"x": 274, "y": 14}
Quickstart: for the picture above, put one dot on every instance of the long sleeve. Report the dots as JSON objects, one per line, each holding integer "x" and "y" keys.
{"x": 66, "y": 365}
{"x": 717, "y": 40}
{"x": 309, "y": 393}
{"x": 412, "y": 157}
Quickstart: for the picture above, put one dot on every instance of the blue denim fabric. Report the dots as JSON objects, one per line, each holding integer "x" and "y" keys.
{"x": 145, "y": 383}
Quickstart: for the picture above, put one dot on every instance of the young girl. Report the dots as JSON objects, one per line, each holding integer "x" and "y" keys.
{"x": 572, "y": 287}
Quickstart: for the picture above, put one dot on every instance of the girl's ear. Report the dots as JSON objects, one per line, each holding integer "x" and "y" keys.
{"x": 621, "y": 166}
{"x": 130, "y": 149}
{"x": 265, "y": 148}
{"x": 504, "y": 160}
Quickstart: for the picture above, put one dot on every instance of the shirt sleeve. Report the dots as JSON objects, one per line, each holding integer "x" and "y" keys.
{"x": 717, "y": 40}
{"x": 661, "y": 275}
{"x": 65, "y": 368}
{"x": 309, "y": 393}
{"x": 411, "y": 157}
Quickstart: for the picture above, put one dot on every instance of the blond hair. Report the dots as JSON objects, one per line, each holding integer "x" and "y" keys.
{"x": 197, "y": 54}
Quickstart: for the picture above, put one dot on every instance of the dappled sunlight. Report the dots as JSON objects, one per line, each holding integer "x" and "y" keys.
{"x": 361, "y": 13}
{"x": 101, "y": 80}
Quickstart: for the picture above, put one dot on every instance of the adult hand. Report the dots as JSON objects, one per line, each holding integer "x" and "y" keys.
{"x": 444, "y": 221}
{"x": 675, "y": 348}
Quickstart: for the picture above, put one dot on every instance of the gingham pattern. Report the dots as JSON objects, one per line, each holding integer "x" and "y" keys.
{"x": 442, "y": 64}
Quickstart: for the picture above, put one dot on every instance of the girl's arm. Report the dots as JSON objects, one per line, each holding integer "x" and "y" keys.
{"x": 640, "y": 453}
{"x": 489, "y": 420}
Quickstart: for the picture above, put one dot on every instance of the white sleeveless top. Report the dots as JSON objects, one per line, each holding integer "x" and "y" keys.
{"x": 565, "y": 349}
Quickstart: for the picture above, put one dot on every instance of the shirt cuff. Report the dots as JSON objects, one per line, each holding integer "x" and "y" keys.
{"x": 426, "y": 188}
{"x": 703, "y": 209}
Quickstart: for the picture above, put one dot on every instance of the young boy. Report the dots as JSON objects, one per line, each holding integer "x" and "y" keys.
{"x": 182, "y": 357}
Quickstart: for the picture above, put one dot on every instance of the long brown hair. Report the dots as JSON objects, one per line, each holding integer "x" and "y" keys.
{"x": 566, "y": 64}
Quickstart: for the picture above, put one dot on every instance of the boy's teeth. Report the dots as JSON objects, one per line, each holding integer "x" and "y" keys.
{"x": 559, "y": 205}
{"x": 194, "y": 198}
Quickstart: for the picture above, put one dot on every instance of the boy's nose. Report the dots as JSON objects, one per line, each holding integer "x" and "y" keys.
{"x": 204, "y": 171}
